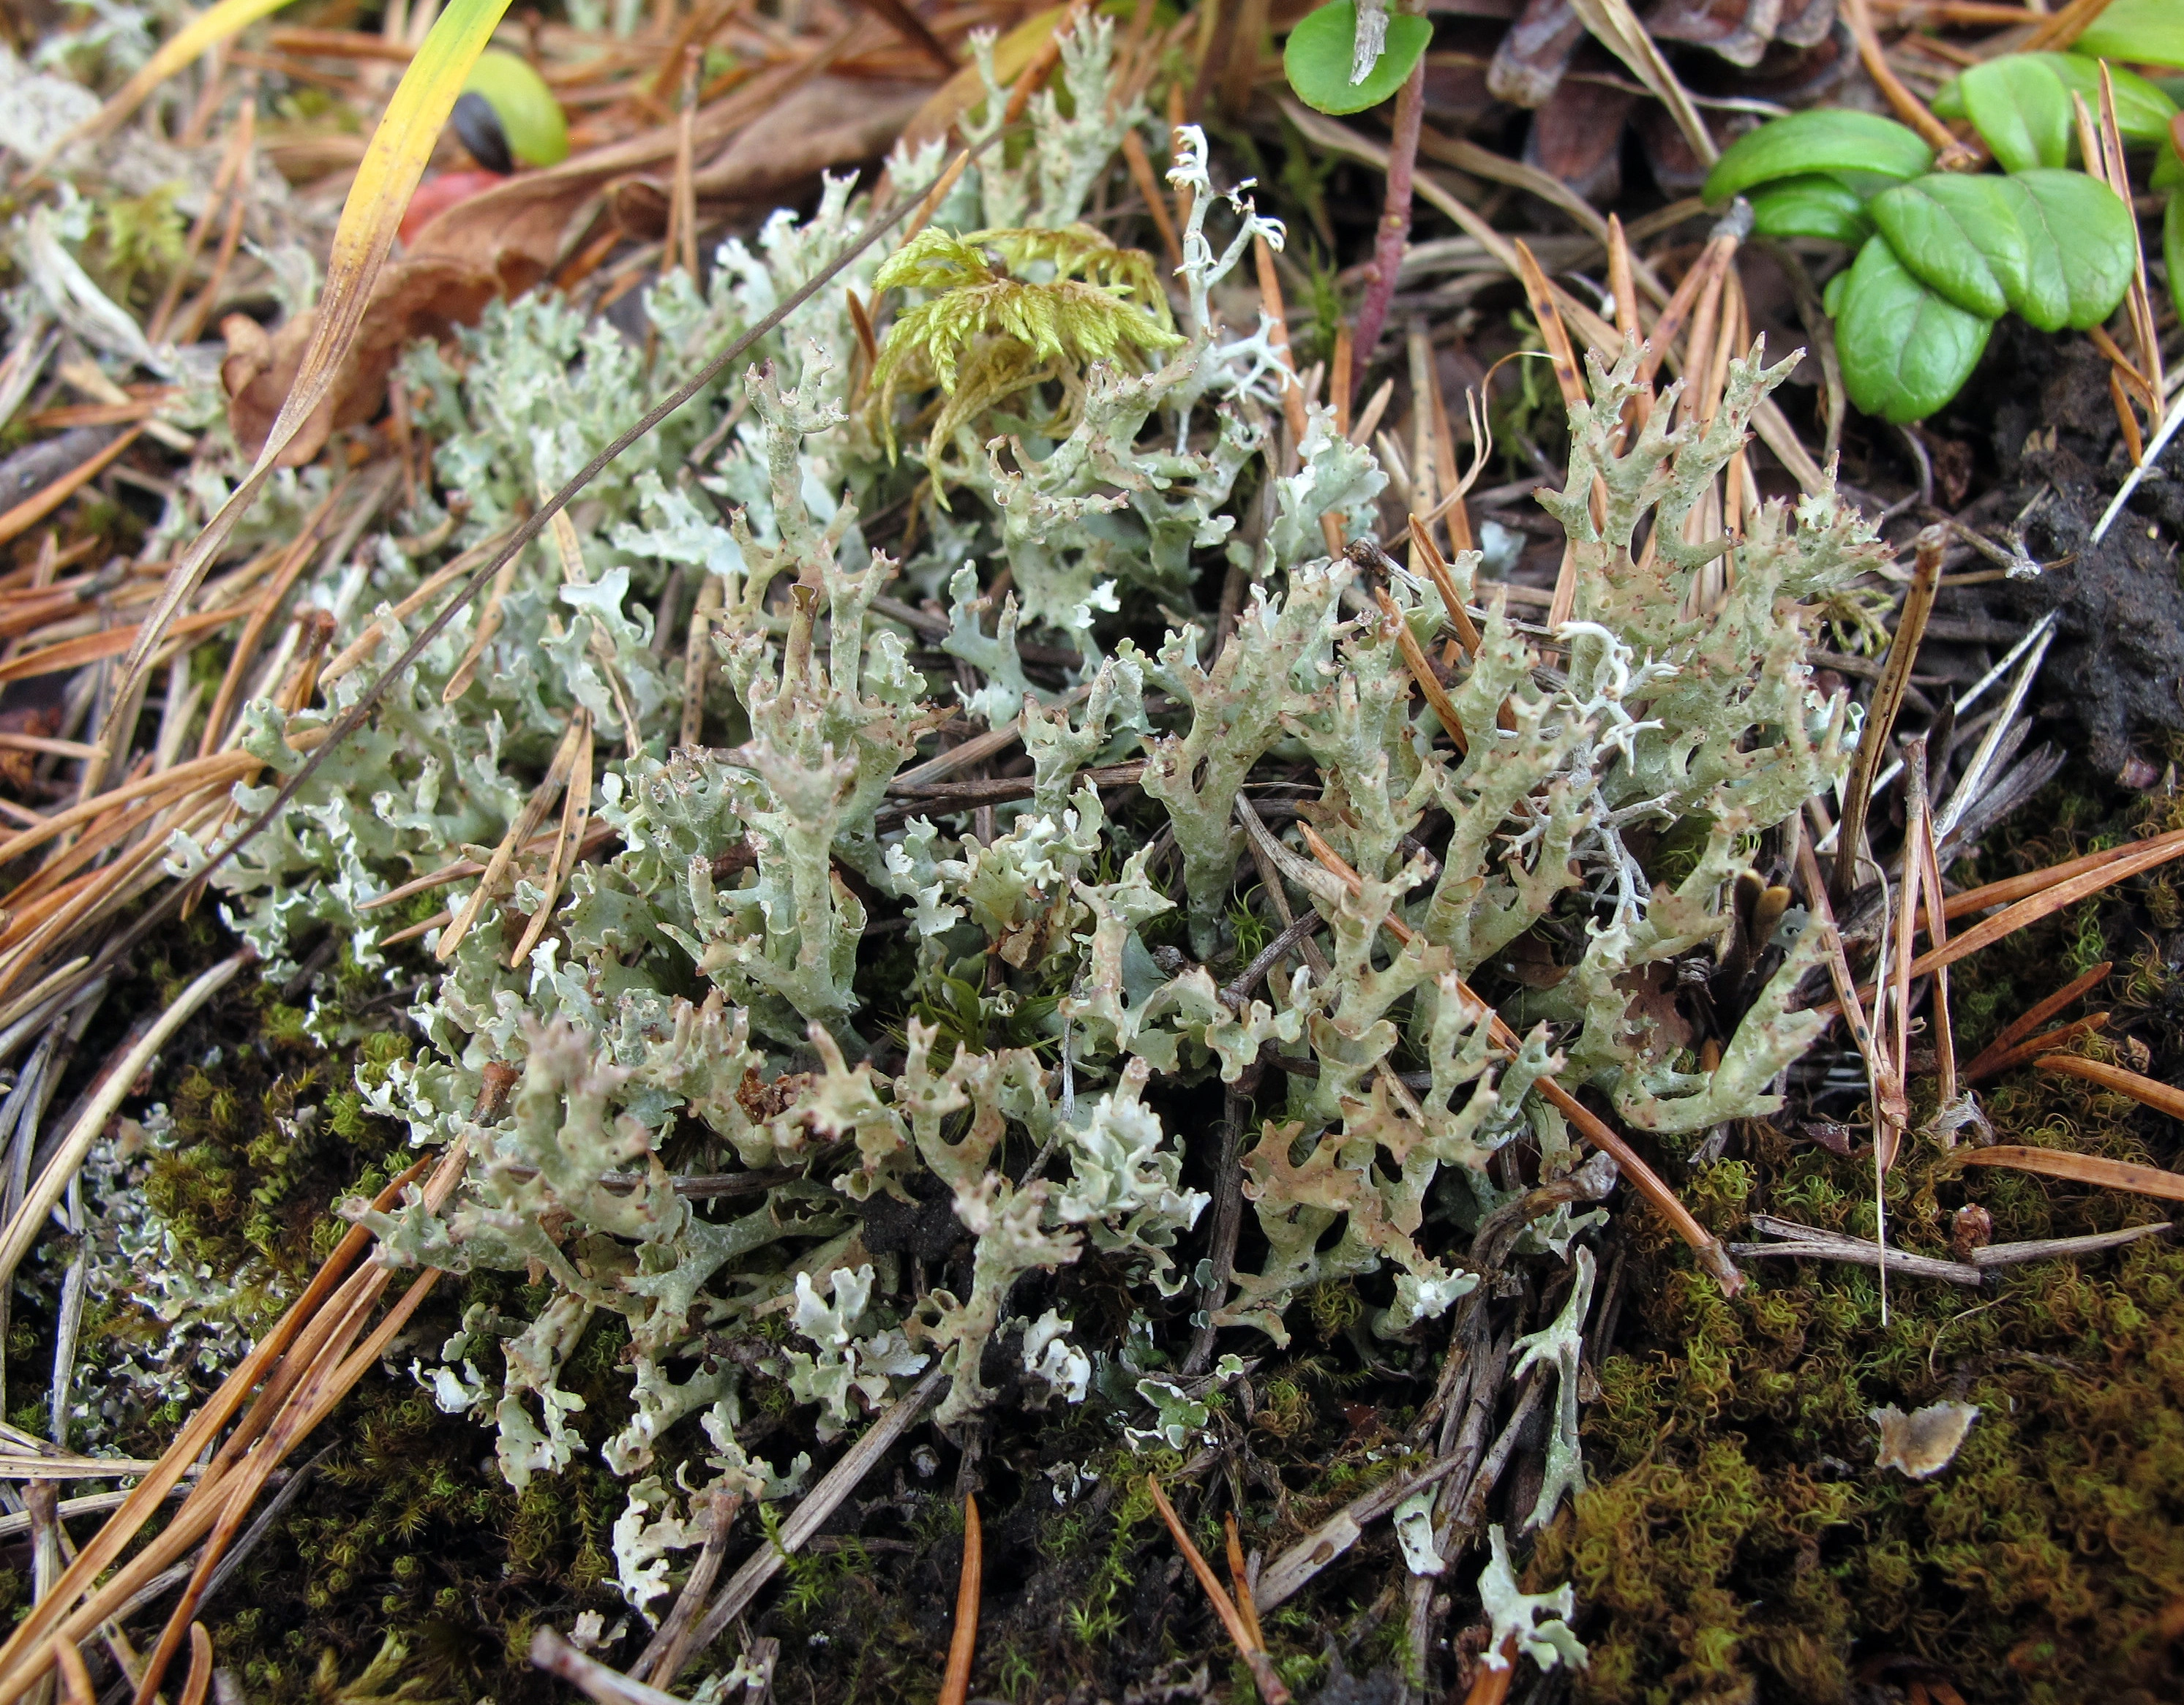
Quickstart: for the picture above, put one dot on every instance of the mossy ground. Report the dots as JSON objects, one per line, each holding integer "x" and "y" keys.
{"x": 1737, "y": 1542}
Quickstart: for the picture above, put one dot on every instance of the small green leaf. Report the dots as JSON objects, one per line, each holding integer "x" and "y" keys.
{"x": 1816, "y": 206}
{"x": 2168, "y": 166}
{"x": 1825, "y": 139}
{"x": 1905, "y": 350}
{"x": 2143, "y": 109}
{"x": 2142, "y": 32}
{"x": 1948, "y": 101}
{"x": 531, "y": 119}
{"x": 1317, "y": 58}
{"x": 1957, "y": 235}
{"x": 1831, "y": 293}
{"x": 2080, "y": 248}
{"x": 2021, "y": 110}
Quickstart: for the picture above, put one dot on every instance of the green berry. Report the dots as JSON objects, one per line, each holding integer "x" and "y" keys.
{"x": 531, "y": 119}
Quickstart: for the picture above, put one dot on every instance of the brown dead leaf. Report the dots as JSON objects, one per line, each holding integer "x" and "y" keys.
{"x": 411, "y": 299}
{"x": 1924, "y": 1442}
{"x": 514, "y": 233}
{"x": 831, "y": 122}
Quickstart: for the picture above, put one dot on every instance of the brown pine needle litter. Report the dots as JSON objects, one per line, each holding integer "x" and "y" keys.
{"x": 963, "y": 1642}
{"x": 983, "y": 934}
{"x": 1271, "y": 1688}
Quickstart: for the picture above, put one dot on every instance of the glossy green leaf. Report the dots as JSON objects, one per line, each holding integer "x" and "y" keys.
{"x": 2022, "y": 111}
{"x": 1831, "y": 293}
{"x": 2141, "y": 32}
{"x": 1904, "y": 351}
{"x": 1825, "y": 139}
{"x": 2143, "y": 109}
{"x": 531, "y": 119}
{"x": 1319, "y": 57}
{"x": 1816, "y": 206}
{"x": 1958, "y": 235}
{"x": 2172, "y": 247}
{"x": 2080, "y": 248}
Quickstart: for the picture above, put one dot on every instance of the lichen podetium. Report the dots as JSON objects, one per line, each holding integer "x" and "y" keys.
{"x": 960, "y": 1037}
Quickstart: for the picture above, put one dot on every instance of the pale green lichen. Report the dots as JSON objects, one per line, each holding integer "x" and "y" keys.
{"x": 714, "y": 981}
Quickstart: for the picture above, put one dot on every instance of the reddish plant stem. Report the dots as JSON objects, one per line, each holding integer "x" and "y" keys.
{"x": 1394, "y": 218}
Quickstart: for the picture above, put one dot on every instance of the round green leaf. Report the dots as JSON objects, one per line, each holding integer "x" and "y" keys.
{"x": 1957, "y": 235}
{"x": 1831, "y": 294}
{"x": 531, "y": 119}
{"x": 1320, "y": 50}
{"x": 1825, "y": 139}
{"x": 1905, "y": 352}
{"x": 2021, "y": 110}
{"x": 2144, "y": 32}
{"x": 1816, "y": 206}
{"x": 2143, "y": 109}
{"x": 2080, "y": 248}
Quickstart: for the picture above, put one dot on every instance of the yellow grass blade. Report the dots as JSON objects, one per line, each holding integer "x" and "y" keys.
{"x": 392, "y": 164}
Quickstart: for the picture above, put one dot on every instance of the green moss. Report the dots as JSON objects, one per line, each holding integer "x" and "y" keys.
{"x": 1738, "y": 1540}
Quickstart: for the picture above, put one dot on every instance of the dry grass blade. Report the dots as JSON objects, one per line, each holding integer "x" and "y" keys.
{"x": 326, "y": 1372}
{"x": 2160, "y": 1097}
{"x": 1490, "y": 1686}
{"x": 2082, "y": 1168}
{"x": 1930, "y": 882}
{"x": 1278, "y": 335}
{"x": 394, "y": 160}
{"x": 1768, "y": 419}
{"x": 374, "y": 633}
{"x": 28, "y": 1649}
{"x": 576, "y": 816}
{"x": 1881, "y": 714}
{"x": 1437, "y": 569}
{"x": 577, "y": 737}
{"x": 38, "y": 505}
{"x": 1141, "y": 174}
{"x": 1421, "y": 668}
{"x": 1617, "y": 26}
{"x": 261, "y": 617}
{"x": 489, "y": 624}
{"x": 76, "y": 1679}
{"x": 2139, "y": 301}
{"x": 1270, "y": 1685}
{"x": 69, "y": 655}
{"x": 2025, "y": 1023}
{"x": 214, "y": 24}
{"x": 318, "y": 743}
{"x": 963, "y": 1644}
